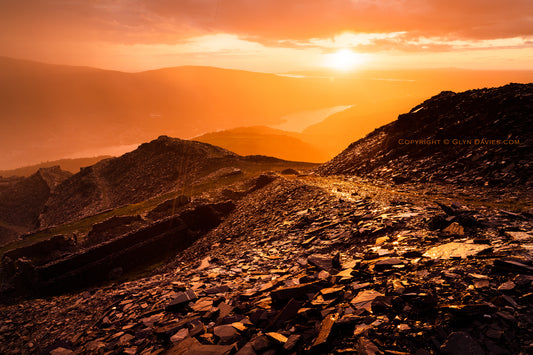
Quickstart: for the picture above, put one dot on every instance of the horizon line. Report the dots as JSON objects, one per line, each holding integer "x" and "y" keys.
{"x": 310, "y": 70}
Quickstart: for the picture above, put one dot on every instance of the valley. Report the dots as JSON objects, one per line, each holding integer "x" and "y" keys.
{"x": 82, "y": 112}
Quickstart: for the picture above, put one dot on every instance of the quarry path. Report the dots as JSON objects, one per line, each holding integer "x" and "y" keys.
{"x": 353, "y": 189}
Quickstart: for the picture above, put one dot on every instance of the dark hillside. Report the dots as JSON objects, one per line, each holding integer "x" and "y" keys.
{"x": 22, "y": 202}
{"x": 480, "y": 137}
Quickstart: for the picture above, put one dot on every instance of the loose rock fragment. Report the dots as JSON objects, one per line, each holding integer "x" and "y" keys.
{"x": 455, "y": 228}
{"x": 278, "y": 337}
{"x": 455, "y": 250}
{"x": 364, "y": 299}
{"x": 387, "y": 263}
{"x": 461, "y": 343}
{"x": 180, "y": 299}
{"x": 61, "y": 351}
{"x": 191, "y": 346}
{"x": 325, "y": 330}
{"x": 227, "y": 333}
{"x": 297, "y": 292}
{"x": 326, "y": 263}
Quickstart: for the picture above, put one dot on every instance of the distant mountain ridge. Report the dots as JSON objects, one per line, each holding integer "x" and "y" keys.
{"x": 77, "y": 108}
{"x": 261, "y": 140}
{"x": 70, "y": 165}
{"x": 51, "y": 111}
{"x": 482, "y": 137}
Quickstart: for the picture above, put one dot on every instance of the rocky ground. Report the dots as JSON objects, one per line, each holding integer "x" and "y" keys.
{"x": 325, "y": 265}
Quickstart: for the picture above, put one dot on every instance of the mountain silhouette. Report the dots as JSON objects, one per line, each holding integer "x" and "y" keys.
{"x": 70, "y": 165}
{"x": 266, "y": 141}
{"x": 77, "y": 108}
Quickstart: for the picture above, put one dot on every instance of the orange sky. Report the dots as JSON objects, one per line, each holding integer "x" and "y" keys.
{"x": 270, "y": 35}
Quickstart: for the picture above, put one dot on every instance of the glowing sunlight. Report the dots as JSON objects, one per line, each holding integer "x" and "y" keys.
{"x": 344, "y": 60}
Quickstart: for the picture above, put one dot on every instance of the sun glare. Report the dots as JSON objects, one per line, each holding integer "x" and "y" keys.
{"x": 344, "y": 60}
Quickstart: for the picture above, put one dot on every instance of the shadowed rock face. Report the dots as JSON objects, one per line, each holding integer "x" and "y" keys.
{"x": 112, "y": 227}
{"x": 24, "y": 272}
{"x": 481, "y": 137}
{"x": 22, "y": 202}
{"x": 44, "y": 251}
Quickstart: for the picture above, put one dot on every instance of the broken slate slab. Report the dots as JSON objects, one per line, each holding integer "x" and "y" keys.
{"x": 366, "y": 347}
{"x": 325, "y": 330}
{"x": 190, "y": 346}
{"x": 260, "y": 343}
{"x": 292, "y": 341}
{"x": 288, "y": 312}
{"x": 325, "y": 262}
{"x": 180, "y": 335}
{"x": 508, "y": 265}
{"x": 298, "y": 292}
{"x": 455, "y": 250}
{"x": 180, "y": 300}
{"x": 224, "y": 310}
{"x": 217, "y": 289}
{"x": 364, "y": 299}
{"x": 227, "y": 333}
{"x": 455, "y": 229}
{"x": 387, "y": 263}
{"x": 519, "y": 236}
{"x": 204, "y": 264}
{"x": 280, "y": 338}
{"x": 61, "y": 351}
{"x": 506, "y": 286}
{"x": 461, "y": 343}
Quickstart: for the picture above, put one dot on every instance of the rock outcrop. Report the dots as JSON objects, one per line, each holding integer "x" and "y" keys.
{"x": 163, "y": 165}
{"x": 481, "y": 137}
{"x": 107, "y": 260}
{"x": 159, "y": 166}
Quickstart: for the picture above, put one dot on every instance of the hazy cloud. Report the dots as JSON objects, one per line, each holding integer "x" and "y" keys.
{"x": 74, "y": 29}
{"x": 156, "y": 21}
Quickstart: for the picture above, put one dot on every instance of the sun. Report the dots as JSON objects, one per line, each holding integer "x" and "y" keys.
{"x": 344, "y": 60}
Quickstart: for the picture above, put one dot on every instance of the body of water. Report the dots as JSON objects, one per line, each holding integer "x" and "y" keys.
{"x": 297, "y": 122}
